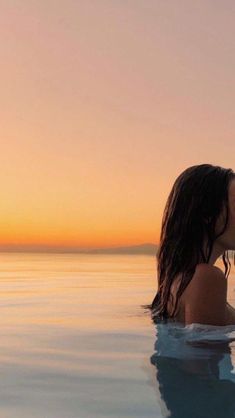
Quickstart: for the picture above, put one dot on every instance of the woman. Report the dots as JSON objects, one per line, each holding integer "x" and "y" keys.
{"x": 198, "y": 227}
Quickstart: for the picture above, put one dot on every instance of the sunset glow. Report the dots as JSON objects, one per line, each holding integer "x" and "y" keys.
{"x": 103, "y": 104}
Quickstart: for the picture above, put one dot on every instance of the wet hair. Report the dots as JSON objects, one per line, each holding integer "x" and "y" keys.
{"x": 199, "y": 196}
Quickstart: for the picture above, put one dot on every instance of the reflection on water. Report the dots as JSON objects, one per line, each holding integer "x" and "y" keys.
{"x": 195, "y": 366}
{"x": 74, "y": 342}
{"x": 194, "y": 370}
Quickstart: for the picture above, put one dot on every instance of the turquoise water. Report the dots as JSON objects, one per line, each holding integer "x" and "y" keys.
{"x": 75, "y": 343}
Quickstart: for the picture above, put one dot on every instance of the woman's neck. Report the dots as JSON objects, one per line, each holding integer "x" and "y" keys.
{"x": 217, "y": 250}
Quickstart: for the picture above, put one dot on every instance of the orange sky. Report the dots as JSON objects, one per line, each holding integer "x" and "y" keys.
{"x": 103, "y": 104}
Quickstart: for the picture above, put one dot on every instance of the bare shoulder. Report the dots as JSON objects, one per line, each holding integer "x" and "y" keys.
{"x": 206, "y": 268}
{"x": 205, "y": 297}
{"x": 205, "y": 275}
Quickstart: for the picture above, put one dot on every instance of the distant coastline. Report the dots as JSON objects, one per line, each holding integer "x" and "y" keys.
{"x": 145, "y": 249}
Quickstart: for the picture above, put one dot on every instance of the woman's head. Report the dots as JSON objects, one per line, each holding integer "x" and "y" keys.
{"x": 199, "y": 213}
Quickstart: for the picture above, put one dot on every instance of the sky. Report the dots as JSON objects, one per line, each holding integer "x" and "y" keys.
{"x": 103, "y": 104}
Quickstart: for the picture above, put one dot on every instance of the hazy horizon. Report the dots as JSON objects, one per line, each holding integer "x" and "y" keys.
{"x": 144, "y": 248}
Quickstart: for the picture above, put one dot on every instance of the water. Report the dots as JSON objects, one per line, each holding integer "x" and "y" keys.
{"x": 75, "y": 343}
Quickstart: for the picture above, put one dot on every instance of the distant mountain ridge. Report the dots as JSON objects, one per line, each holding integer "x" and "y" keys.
{"x": 146, "y": 248}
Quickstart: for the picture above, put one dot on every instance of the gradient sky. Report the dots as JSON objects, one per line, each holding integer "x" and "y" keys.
{"x": 103, "y": 104}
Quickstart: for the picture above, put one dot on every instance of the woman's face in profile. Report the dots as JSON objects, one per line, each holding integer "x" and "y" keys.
{"x": 227, "y": 240}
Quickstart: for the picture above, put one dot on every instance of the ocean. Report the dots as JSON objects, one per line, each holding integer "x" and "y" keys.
{"x": 76, "y": 343}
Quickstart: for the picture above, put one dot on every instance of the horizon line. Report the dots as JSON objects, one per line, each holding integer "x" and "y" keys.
{"x": 43, "y": 248}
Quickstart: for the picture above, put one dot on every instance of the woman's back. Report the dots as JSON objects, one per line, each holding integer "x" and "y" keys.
{"x": 204, "y": 300}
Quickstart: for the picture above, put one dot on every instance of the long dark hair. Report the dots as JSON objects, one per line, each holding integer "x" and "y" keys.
{"x": 197, "y": 199}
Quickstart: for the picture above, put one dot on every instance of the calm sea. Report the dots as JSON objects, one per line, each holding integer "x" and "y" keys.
{"x": 75, "y": 342}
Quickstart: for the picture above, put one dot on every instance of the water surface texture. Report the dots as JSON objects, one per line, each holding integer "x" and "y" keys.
{"x": 75, "y": 343}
